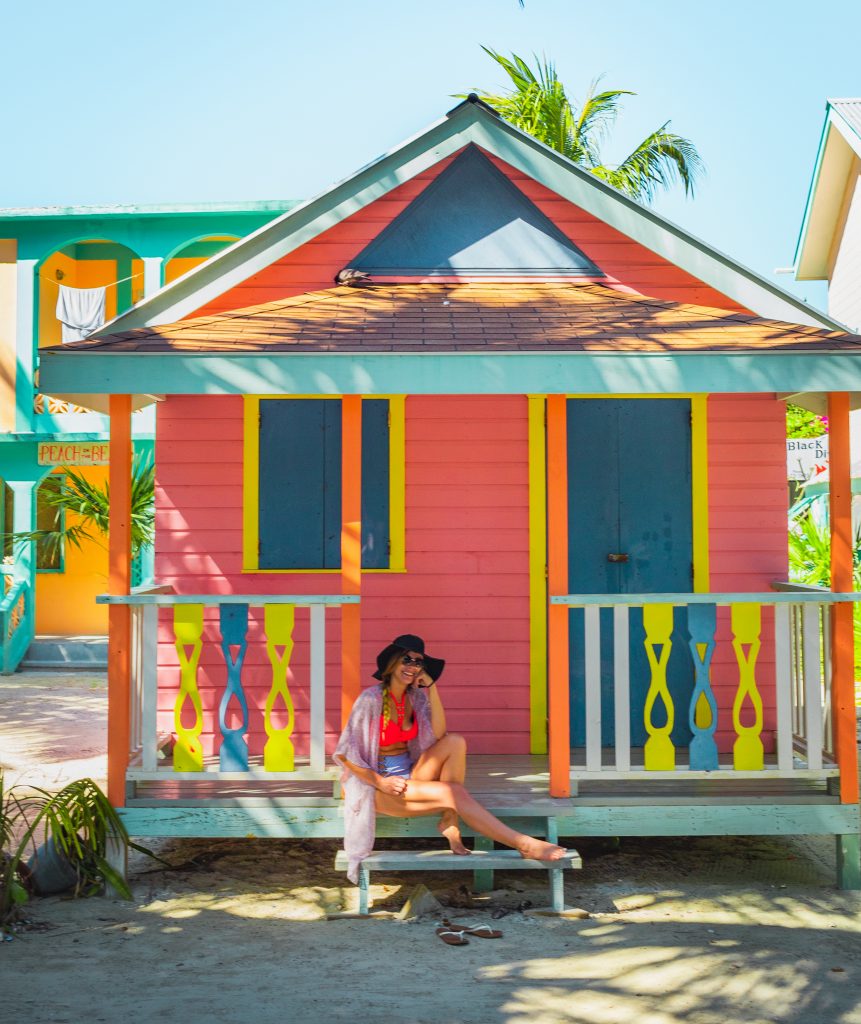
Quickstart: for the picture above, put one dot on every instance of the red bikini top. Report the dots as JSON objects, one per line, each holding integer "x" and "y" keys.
{"x": 394, "y": 732}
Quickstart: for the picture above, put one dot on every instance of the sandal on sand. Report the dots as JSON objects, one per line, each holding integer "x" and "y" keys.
{"x": 451, "y": 937}
{"x": 480, "y": 931}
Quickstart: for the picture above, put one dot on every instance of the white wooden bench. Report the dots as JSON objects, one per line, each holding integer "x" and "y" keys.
{"x": 443, "y": 860}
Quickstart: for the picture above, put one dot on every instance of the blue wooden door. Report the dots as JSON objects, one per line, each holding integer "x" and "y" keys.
{"x": 629, "y": 498}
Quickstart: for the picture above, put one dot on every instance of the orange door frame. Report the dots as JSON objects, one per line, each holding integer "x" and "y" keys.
{"x": 842, "y": 629}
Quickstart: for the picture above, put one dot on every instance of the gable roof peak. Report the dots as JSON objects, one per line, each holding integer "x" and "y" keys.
{"x": 473, "y": 99}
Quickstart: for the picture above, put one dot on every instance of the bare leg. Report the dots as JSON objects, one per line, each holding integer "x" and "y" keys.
{"x": 437, "y": 797}
{"x": 445, "y": 761}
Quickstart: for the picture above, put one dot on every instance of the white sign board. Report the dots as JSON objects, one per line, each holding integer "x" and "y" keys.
{"x": 806, "y": 456}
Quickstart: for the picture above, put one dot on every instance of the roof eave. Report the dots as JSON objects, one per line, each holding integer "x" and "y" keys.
{"x": 834, "y": 159}
{"x": 454, "y": 373}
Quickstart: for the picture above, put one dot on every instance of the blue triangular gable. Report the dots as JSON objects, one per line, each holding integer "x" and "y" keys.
{"x": 471, "y": 220}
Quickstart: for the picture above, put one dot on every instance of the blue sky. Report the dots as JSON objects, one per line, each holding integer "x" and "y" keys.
{"x": 191, "y": 101}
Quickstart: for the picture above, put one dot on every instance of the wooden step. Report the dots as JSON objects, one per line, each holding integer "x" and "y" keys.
{"x": 444, "y": 860}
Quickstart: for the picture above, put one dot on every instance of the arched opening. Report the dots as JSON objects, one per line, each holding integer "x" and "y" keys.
{"x": 89, "y": 263}
{"x": 194, "y": 252}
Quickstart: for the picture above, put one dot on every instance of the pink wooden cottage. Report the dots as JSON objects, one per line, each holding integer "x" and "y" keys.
{"x": 540, "y": 426}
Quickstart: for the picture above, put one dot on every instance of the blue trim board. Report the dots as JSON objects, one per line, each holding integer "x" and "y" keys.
{"x": 325, "y": 821}
{"x": 462, "y": 373}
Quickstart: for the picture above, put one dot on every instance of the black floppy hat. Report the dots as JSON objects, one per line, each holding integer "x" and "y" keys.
{"x": 402, "y": 644}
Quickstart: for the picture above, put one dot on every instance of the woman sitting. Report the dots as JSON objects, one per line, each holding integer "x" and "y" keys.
{"x": 399, "y": 760}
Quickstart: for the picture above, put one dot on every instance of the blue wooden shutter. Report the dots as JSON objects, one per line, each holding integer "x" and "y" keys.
{"x": 375, "y": 483}
{"x": 299, "y": 521}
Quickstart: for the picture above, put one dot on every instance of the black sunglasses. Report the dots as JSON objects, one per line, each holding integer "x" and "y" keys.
{"x": 418, "y": 662}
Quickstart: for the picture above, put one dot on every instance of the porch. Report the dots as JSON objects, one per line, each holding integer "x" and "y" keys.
{"x": 780, "y": 781}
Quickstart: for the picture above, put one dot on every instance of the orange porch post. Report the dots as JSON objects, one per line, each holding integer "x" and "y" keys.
{"x": 119, "y": 582}
{"x": 351, "y": 550}
{"x": 559, "y": 742}
{"x": 842, "y": 630}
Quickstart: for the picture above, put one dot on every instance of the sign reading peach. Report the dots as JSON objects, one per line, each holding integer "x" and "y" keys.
{"x": 73, "y": 453}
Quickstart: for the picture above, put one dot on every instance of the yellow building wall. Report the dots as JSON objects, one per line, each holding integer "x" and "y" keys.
{"x": 180, "y": 265}
{"x": 92, "y": 274}
{"x": 66, "y": 601}
{"x": 50, "y": 332}
{"x": 8, "y": 308}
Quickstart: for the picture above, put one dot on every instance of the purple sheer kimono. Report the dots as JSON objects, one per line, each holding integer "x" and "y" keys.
{"x": 360, "y": 743}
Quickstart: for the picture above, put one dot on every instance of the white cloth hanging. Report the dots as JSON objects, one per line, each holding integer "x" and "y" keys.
{"x": 80, "y": 311}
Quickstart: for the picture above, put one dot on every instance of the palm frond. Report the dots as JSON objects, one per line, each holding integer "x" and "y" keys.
{"x": 597, "y": 115}
{"x": 660, "y": 160}
{"x": 538, "y": 104}
{"x": 89, "y": 504}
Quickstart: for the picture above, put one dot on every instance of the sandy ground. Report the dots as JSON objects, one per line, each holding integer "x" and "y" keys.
{"x": 703, "y": 931}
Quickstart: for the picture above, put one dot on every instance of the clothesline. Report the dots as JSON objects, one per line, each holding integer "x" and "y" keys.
{"x": 122, "y": 280}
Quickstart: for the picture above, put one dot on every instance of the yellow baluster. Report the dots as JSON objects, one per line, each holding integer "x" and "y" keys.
{"x": 278, "y": 753}
{"x": 747, "y": 751}
{"x": 188, "y": 630}
{"x": 659, "y": 753}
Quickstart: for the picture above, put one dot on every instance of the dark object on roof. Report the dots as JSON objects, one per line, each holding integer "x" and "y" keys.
{"x": 353, "y": 278}
{"x": 473, "y": 221}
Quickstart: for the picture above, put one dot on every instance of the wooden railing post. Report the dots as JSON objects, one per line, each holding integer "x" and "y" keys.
{"x": 842, "y": 631}
{"x": 351, "y": 550}
{"x": 559, "y": 745}
{"x": 119, "y": 582}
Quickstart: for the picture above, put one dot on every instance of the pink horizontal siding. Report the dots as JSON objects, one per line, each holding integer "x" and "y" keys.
{"x": 467, "y": 546}
{"x": 747, "y": 535}
{"x": 466, "y": 591}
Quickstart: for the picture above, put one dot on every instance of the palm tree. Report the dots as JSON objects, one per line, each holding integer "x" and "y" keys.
{"x": 90, "y": 505}
{"x": 539, "y": 105}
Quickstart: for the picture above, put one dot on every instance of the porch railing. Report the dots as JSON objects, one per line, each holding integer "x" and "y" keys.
{"x": 770, "y": 651}
{"x": 17, "y": 623}
{"x": 178, "y": 753}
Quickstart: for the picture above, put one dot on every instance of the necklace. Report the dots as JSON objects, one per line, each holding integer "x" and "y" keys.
{"x": 400, "y": 708}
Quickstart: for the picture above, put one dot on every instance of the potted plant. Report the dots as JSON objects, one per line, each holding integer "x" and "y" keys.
{"x": 76, "y": 825}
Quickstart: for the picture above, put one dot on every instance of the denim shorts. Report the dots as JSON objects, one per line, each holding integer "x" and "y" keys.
{"x": 395, "y": 764}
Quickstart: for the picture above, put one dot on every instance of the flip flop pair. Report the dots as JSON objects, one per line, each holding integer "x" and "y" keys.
{"x": 456, "y": 934}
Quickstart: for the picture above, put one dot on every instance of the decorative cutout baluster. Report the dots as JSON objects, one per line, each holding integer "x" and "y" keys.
{"x": 233, "y": 756}
{"x": 747, "y": 751}
{"x": 702, "y": 714}
{"x": 188, "y": 630}
{"x": 278, "y": 754}
{"x": 659, "y": 753}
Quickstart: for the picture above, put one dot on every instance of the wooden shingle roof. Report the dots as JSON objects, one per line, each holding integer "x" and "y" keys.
{"x": 472, "y": 317}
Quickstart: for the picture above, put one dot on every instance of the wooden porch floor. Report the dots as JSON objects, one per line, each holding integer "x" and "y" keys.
{"x": 515, "y": 783}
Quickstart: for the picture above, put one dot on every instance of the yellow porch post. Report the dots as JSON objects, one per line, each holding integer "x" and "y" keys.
{"x": 559, "y": 731}
{"x": 842, "y": 631}
{"x": 119, "y": 582}
{"x": 351, "y": 550}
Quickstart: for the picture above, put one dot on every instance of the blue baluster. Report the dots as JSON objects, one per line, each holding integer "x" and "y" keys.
{"x": 702, "y": 623}
{"x": 233, "y": 756}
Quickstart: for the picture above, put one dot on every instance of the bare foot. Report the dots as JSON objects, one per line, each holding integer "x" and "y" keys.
{"x": 537, "y": 849}
{"x": 448, "y": 827}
